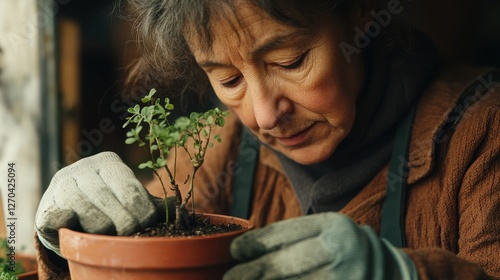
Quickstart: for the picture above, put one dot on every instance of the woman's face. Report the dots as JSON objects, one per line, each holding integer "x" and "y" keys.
{"x": 293, "y": 88}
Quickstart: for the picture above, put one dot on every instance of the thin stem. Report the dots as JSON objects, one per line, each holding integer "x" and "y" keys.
{"x": 187, "y": 152}
{"x": 191, "y": 190}
{"x": 162, "y": 155}
{"x": 190, "y": 193}
{"x": 164, "y": 195}
{"x": 208, "y": 141}
{"x": 175, "y": 160}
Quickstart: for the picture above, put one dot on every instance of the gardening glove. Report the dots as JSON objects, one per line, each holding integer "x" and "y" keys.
{"x": 98, "y": 194}
{"x": 319, "y": 246}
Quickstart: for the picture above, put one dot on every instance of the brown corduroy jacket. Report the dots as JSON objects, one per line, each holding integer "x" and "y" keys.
{"x": 452, "y": 223}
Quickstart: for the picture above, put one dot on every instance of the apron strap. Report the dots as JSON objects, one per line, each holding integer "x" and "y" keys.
{"x": 392, "y": 225}
{"x": 248, "y": 158}
{"x": 393, "y": 210}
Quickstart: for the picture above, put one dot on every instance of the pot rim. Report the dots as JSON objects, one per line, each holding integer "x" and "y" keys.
{"x": 241, "y": 221}
{"x": 126, "y": 252}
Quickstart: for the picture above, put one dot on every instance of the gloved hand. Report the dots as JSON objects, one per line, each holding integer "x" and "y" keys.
{"x": 320, "y": 246}
{"x": 98, "y": 194}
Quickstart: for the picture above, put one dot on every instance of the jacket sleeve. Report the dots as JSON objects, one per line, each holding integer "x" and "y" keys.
{"x": 50, "y": 266}
{"x": 476, "y": 172}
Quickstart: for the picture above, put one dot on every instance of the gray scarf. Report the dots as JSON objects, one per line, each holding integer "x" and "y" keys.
{"x": 395, "y": 81}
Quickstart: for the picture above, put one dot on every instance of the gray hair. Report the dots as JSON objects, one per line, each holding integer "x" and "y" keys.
{"x": 161, "y": 27}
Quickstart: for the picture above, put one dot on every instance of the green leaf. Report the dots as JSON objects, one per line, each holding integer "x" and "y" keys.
{"x": 210, "y": 120}
{"x": 182, "y": 123}
{"x": 160, "y": 162}
{"x": 137, "y": 118}
{"x": 217, "y": 138}
{"x": 183, "y": 140}
{"x": 159, "y": 112}
{"x": 130, "y": 141}
{"x": 6, "y": 276}
{"x": 220, "y": 121}
{"x": 148, "y": 164}
{"x": 146, "y": 99}
{"x": 126, "y": 123}
{"x": 194, "y": 115}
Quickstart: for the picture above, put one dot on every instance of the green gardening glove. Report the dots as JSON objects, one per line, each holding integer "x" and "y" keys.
{"x": 320, "y": 246}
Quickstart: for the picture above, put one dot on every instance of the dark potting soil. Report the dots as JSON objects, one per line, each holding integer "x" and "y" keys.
{"x": 199, "y": 227}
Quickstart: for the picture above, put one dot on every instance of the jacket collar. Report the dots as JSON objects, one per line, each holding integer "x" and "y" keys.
{"x": 435, "y": 107}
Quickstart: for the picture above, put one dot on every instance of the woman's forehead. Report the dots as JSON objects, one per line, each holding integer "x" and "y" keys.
{"x": 226, "y": 18}
{"x": 247, "y": 26}
{"x": 253, "y": 35}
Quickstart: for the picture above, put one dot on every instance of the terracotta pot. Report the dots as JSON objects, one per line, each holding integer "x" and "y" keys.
{"x": 30, "y": 266}
{"x": 93, "y": 256}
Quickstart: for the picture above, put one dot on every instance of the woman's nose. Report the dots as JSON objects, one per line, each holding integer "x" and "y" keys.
{"x": 270, "y": 106}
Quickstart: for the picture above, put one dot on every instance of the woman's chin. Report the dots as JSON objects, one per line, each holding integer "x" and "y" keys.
{"x": 308, "y": 156}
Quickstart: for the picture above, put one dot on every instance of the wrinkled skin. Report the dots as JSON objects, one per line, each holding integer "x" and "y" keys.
{"x": 293, "y": 88}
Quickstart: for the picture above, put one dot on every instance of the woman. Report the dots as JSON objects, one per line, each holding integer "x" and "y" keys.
{"x": 382, "y": 164}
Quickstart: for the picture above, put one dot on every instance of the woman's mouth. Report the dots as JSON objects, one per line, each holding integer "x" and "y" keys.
{"x": 295, "y": 139}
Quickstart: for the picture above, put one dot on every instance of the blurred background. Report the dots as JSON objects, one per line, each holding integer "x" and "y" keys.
{"x": 63, "y": 63}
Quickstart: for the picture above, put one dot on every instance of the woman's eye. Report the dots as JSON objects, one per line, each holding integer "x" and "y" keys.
{"x": 232, "y": 83}
{"x": 295, "y": 63}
